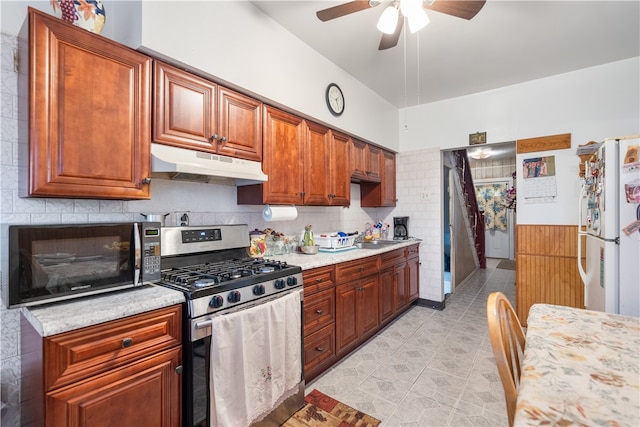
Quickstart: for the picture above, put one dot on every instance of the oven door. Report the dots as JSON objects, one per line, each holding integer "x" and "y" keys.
{"x": 197, "y": 368}
{"x": 50, "y": 263}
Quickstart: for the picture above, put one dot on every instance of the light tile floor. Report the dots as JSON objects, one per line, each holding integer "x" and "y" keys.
{"x": 429, "y": 367}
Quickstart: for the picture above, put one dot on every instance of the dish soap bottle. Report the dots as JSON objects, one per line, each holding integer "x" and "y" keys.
{"x": 307, "y": 240}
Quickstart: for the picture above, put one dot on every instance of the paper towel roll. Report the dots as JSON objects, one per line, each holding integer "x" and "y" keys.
{"x": 279, "y": 213}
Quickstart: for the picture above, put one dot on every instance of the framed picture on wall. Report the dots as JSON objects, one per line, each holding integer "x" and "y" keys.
{"x": 477, "y": 138}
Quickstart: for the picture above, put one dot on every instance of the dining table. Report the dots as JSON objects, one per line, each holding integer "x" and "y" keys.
{"x": 579, "y": 367}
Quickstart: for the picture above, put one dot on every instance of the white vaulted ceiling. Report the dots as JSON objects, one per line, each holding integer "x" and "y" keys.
{"x": 508, "y": 42}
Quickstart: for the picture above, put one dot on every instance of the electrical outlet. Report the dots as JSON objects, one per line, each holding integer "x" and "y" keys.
{"x": 424, "y": 195}
{"x": 183, "y": 219}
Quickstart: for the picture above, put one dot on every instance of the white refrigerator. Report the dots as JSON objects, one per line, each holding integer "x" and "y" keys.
{"x": 609, "y": 212}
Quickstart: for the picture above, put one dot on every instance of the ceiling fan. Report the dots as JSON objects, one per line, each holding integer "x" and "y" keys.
{"x": 391, "y": 21}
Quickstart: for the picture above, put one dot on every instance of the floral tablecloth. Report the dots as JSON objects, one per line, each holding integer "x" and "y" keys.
{"x": 580, "y": 367}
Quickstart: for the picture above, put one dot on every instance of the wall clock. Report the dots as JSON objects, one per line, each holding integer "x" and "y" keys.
{"x": 335, "y": 99}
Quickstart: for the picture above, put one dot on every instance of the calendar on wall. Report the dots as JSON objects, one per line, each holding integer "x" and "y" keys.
{"x": 539, "y": 183}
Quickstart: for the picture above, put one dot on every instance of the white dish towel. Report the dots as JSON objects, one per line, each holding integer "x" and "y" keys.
{"x": 256, "y": 361}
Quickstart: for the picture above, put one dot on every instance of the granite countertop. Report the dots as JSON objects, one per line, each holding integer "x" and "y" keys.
{"x": 322, "y": 259}
{"x": 56, "y": 318}
{"x": 66, "y": 316}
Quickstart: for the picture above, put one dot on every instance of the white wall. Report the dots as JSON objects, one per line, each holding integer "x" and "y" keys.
{"x": 591, "y": 104}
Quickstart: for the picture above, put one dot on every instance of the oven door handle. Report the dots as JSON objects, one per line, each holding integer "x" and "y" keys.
{"x": 204, "y": 325}
{"x": 137, "y": 252}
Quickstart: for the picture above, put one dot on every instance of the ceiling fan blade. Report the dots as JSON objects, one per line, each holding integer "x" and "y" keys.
{"x": 390, "y": 40}
{"x": 342, "y": 10}
{"x": 465, "y": 9}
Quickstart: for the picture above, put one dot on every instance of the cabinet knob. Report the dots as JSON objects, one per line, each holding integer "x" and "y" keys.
{"x": 146, "y": 180}
{"x": 319, "y": 280}
{"x": 319, "y": 311}
{"x": 223, "y": 139}
{"x": 214, "y": 137}
{"x": 320, "y": 349}
{"x": 179, "y": 370}
{"x": 127, "y": 342}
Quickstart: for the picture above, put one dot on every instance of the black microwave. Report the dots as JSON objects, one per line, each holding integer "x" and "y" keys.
{"x": 49, "y": 263}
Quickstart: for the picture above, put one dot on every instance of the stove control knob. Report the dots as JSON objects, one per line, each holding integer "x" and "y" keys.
{"x": 216, "y": 301}
{"x": 234, "y": 296}
{"x": 258, "y": 290}
{"x": 279, "y": 284}
{"x": 292, "y": 281}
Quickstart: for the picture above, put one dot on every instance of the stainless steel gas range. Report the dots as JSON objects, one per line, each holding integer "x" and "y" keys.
{"x": 209, "y": 264}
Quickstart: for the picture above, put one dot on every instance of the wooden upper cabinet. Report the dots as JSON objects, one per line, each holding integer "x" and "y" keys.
{"x": 317, "y": 168}
{"x": 374, "y": 164}
{"x": 282, "y": 161}
{"x": 382, "y": 193}
{"x": 365, "y": 162}
{"x": 340, "y": 185}
{"x": 89, "y": 114}
{"x": 184, "y": 109}
{"x": 326, "y": 177}
{"x": 240, "y": 121}
{"x": 195, "y": 113}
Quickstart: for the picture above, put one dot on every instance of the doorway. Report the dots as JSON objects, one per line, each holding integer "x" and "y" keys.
{"x": 489, "y": 163}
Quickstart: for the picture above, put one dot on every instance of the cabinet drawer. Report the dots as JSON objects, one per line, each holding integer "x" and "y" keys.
{"x": 319, "y": 310}
{"x": 392, "y": 258}
{"x": 318, "y": 279}
{"x": 413, "y": 251}
{"x": 356, "y": 269}
{"x": 73, "y": 356}
{"x": 319, "y": 348}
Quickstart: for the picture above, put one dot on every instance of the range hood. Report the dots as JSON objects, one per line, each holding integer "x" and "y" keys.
{"x": 191, "y": 165}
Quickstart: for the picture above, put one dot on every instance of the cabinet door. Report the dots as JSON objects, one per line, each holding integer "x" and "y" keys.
{"x": 346, "y": 315}
{"x": 388, "y": 289}
{"x": 374, "y": 163}
{"x": 240, "y": 125}
{"x": 184, "y": 108}
{"x": 145, "y": 393}
{"x": 367, "y": 305}
{"x": 402, "y": 287}
{"x": 358, "y": 160}
{"x": 413, "y": 279}
{"x": 388, "y": 180}
{"x": 89, "y": 114}
{"x": 339, "y": 170}
{"x": 317, "y": 154}
{"x": 282, "y": 157}
{"x": 382, "y": 193}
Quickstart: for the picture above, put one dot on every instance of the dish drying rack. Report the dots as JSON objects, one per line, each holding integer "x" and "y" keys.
{"x": 332, "y": 242}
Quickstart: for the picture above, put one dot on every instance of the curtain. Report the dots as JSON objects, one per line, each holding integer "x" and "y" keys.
{"x": 491, "y": 202}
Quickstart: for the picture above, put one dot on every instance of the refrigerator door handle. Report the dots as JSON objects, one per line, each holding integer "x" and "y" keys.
{"x": 583, "y": 274}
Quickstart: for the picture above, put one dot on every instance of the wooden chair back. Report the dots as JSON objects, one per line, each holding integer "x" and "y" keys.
{"x": 507, "y": 341}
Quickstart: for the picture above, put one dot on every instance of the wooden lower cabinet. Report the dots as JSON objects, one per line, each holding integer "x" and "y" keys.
{"x": 413, "y": 273}
{"x": 318, "y": 320}
{"x": 356, "y": 311}
{"x": 125, "y": 372}
{"x": 142, "y": 393}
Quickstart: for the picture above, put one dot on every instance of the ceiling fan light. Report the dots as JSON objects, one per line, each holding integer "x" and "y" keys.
{"x": 410, "y": 7}
{"x": 388, "y": 20}
{"x": 418, "y": 20}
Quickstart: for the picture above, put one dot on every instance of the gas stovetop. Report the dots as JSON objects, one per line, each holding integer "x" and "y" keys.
{"x": 209, "y": 265}
{"x": 213, "y": 277}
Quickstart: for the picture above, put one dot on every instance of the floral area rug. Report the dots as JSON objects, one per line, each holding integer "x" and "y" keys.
{"x": 325, "y": 411}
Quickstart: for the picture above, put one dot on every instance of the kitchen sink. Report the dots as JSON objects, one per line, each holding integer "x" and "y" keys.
{"x": 378, "y": 244}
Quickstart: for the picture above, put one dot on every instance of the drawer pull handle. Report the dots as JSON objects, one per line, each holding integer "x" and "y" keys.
{"x": 320, "y": 349}
{"x": 127, "y": 342}
{"x": 319, "y": 311}
{"x": 319, "y": 280}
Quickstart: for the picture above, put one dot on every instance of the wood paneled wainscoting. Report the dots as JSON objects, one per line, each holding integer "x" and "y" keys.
{"x": 546, "y": 267}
